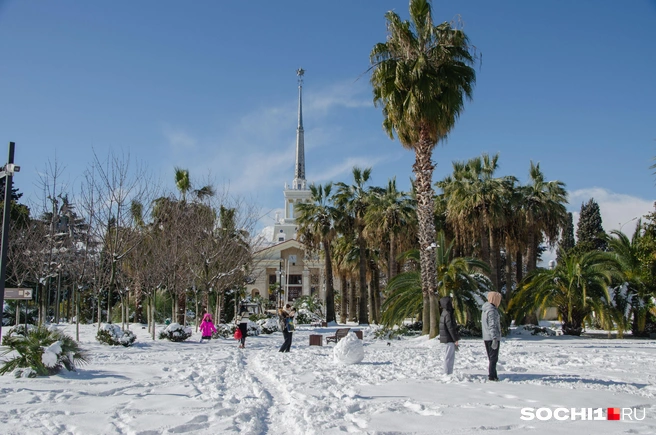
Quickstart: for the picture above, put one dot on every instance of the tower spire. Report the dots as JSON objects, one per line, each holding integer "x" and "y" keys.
{"x": 299, "y": 167}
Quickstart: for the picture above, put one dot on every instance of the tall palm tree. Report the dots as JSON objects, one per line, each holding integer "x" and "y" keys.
{"x": 390, "y": 213}
{"x": 354, "y": 199}
{"x": 316, "y": 226}
{"x": 577, "y": 287}
{"x": 458, "y": 277}
{"x": 421, "y": 77}
{"x": 543, "y": 204}
{"x": 476, "y": 200}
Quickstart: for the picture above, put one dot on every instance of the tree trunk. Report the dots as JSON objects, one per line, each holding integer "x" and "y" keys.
{"x": 423, "y": 170}
{"x": 376, "y": 280}
{"x": 343, "y": 312}
{"x": 494, "y": 259}
{"x": 353, "y": 300}
{"x": 362, "y": 308}
{"x": 330, "y": 289}
{"x": 392, "y": 260}
{"x": 425, "y": 314}
{"x": 519, "y": 266}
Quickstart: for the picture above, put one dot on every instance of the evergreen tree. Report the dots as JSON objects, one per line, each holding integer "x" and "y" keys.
{"x": 567, "y": 241}
{"x": 590, "y": 233}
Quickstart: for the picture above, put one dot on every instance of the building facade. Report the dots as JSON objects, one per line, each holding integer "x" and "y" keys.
{"x": 284, "y": 271}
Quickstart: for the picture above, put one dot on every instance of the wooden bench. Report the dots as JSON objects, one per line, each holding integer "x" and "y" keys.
{"x": 339, "y": 334}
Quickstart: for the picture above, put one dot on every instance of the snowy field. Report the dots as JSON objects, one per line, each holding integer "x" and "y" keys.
{"x": 160, "y": 387}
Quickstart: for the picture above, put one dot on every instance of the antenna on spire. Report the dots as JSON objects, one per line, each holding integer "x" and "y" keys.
{"x": 299, "y": 73}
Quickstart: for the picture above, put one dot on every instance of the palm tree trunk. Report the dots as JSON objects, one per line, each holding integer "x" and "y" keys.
{"x": 330, "y": 290}
{"x": 362, "y": 309}
{"x": 519, "y": 266}
{"x": 376, "y": 295}
{"x": 425, "y": 315}
{"x": 423, "y": 170}
{"x": 494, "y": 259}
{"x": 353, "y": 298}
{"x": 343, "y": 312}
{"x": 392, "y": 260}
{"x": 372, "y": 302}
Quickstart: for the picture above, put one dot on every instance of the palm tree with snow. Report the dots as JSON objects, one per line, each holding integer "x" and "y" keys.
{"x": 421, "y": 76}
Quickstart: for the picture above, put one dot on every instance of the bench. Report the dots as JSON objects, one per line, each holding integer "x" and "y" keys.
{"x": 339, "y": 334}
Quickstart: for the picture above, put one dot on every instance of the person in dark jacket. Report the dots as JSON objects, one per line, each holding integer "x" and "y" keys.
{"x": 287, "y": 316}
{"x": 491, "y": 325}
{"x": 448, "y": 333}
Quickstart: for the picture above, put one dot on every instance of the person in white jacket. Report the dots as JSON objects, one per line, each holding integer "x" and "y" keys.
{"x": 491, "y": 324}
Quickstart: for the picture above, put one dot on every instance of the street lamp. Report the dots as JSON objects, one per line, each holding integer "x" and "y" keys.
{"x": 630, "y": 220}
{"x": 7, "y": 173}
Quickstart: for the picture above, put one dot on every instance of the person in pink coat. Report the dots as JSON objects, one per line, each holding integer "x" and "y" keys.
{"x": 206, "y": 327}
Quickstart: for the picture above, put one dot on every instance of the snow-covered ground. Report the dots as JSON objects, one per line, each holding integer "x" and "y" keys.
{"x": 160, "y": 387}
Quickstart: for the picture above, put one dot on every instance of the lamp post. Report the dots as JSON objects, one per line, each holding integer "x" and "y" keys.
{"x": 630, "y": 220}
{"x": 7, "y": 173}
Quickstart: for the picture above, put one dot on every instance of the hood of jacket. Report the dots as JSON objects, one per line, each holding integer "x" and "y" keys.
{"x": 446, "y": 303}
{"x": 488, "y": 307}
{"x": 207, "y": 317}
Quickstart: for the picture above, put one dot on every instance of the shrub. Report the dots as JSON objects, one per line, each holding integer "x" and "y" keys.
{"x": 41, "y": 352}
{"x": 18, "y": 330}
{"x": 311, "y": 305}
{"x": 224, "y": 330}
{"x": 114, "y": 335}
{"x": 227, "y": 330}
{"x": 175, "y": 332}
{"x": 269, "y": 325}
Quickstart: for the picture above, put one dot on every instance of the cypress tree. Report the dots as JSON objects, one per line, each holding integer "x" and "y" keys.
{"x": 567, "y": 241}
{"x": 590, "y": 233}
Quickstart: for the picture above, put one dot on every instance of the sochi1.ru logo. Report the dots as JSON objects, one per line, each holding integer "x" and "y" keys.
{"x": 564, "y": 414}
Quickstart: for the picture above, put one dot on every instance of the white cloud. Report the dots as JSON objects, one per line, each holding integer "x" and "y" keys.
{"x": 179, "y": 139}
{"x": 344, "y": 94}
{"x": 345, "y": 167}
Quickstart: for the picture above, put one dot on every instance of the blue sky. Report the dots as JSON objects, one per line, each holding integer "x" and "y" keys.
{"x": 211, "y": 86}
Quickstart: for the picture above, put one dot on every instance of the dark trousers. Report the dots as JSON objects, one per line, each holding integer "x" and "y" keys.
{"x": 493, "y": 356}
{"x": 288, "y": 341}
{"x": 243, "y": 327}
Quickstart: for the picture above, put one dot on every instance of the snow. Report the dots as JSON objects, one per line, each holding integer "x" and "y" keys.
{"x": 50, "y": 354}
{"x": 349, "y": 350}
{"x": 164, "y": 387}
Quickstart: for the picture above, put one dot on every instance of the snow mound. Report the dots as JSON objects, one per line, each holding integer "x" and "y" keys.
{"x": 349, "y": 350}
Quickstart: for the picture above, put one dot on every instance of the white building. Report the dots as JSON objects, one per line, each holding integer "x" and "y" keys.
{"x": 285, "y": 264}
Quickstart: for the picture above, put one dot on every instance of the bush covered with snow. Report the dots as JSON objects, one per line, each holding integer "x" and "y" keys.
{"x": 41, "y": 352}
{"x": 269, "y": 325}
{"x": 113, "y": 335}
{"x": 175, "y": 332}
{"x": 227, "y": 330}
{"x": 17, "y": 330}
{"x": 535, "y": 330}
{"x": 349, "y": 350}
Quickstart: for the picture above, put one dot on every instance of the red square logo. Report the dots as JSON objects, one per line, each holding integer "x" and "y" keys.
{"x": 613, "y": 414}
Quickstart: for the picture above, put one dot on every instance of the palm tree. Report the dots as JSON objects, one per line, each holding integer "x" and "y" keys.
{"x": 458, "y": 277}
{"x": 389, "y": 214}
{"x": 421, "y": 76}
{"x": 316, "y": 226}
{"x": 354, "y": 199}
{"x": 634, "y": 293}
{"x": 577, "y": 287}
{"x": 543, "y": 204}
{"x": 475, "y": 205}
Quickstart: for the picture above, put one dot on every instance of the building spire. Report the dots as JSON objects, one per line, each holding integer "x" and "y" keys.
{"x": 299, "y": 167}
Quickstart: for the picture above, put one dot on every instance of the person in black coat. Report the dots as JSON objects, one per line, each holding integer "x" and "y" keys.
{"x": 448, "y": 333}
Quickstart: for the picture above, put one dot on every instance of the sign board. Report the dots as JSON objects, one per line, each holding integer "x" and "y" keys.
{"x": 18, "y": 293}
